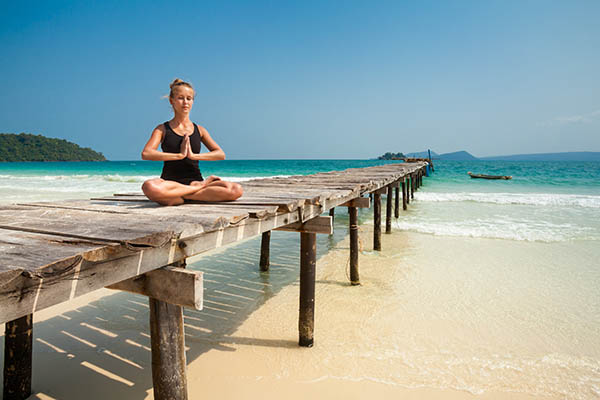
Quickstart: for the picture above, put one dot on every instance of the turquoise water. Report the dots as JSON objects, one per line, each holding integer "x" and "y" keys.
{"x": 545, "y": 201}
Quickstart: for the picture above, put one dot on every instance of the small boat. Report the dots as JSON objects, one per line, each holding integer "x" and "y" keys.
{"x": 481, "y": 176}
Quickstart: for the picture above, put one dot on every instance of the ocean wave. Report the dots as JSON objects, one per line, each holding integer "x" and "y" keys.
{"x": 496, "y": 229}
{"x": 536, "y": 199}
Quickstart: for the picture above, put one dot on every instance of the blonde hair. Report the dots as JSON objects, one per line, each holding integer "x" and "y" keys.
{"x": 177, "y": 83}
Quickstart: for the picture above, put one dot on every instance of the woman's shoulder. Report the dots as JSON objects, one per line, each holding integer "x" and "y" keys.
{"x": 161, "y": 127}
{"x": 201, "y": 130}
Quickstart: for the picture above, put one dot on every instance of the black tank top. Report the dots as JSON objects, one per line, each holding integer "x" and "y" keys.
{"x": 182, "y": 171}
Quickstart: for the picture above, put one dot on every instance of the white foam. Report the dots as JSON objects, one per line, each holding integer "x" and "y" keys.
{"x": 502, "y": 229}
{"x": 538, "y": 199}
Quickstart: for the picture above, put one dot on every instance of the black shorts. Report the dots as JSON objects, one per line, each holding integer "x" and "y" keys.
{"x": 184, "y": 181}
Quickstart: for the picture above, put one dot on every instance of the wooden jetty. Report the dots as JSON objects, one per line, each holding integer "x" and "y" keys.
{"x": 53, "y": 252}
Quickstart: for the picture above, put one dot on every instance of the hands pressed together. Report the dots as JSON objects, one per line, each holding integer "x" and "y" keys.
{"x": 186, "y": 148}
{"x": 186, "y": 152}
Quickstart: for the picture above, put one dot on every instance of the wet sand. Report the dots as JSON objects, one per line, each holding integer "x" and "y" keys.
{"x": 411, "y": 330}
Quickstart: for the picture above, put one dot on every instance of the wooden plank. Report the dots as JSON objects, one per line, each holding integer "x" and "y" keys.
{"x": 113, "y": 220}
{"x": 284, "y": 203}
{"x": 171, "y": 284}
{"x": 359, "y": 202}
{"x": 316, "y": 225}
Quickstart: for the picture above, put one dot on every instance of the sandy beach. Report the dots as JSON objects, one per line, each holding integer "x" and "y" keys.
{"x": 428, "y": 321}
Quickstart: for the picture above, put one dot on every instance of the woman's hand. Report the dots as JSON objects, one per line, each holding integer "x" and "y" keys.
{"x": 211, "y": 179}
{"x": 185, "y": 148}
{"x": 190, "y": 153}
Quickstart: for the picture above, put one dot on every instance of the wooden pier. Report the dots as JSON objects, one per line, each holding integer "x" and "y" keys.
{"x": 53, "y": 252}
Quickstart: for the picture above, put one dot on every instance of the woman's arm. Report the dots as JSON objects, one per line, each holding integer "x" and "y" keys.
{"x": 214, "y": 151}
{"x": 151, "y": 151}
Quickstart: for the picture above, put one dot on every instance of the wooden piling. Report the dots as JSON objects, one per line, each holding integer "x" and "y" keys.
{"x": 18, "y": 356}
{"x": 377, "y": 221}
{"x": 412, "y": 186}
{"x": 388, "y": 210}
{"x": 408, "y": 185}
{"x": 168, "y": 350}
{"x": 404, "y": 196}
{"x": 265, "y": 246}
{"x": 354, "y": 278}
{"x": 332, "y": 215}
{"x": 308, "y": 257}
{"x": 397, "y": 202}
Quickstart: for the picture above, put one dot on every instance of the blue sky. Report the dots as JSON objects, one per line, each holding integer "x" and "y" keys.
{"x": 308, "y": 79}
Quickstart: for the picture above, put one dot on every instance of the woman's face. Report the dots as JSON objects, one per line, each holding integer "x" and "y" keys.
{"x": 182, "y": 100}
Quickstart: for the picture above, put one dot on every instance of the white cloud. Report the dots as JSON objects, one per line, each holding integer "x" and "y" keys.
{"x": 573, "y": 119}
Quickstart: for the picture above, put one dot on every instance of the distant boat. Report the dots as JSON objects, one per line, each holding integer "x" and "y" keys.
{"x": 481, "y": 176}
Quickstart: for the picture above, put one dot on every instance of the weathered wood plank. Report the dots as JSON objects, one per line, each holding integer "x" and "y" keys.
{"x": 359, "y": 202}
{"x": 173, "y": 285}
{"x": 316, "y": 225}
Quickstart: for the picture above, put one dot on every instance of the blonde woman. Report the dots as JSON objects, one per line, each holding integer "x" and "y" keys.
{"x": 180, "y": 140}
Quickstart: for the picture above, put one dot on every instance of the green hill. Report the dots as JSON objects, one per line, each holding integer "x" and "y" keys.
{"x": 27, "y": 147}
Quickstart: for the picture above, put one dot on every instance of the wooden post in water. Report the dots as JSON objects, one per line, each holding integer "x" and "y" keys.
{"x": 412, "y": 186}
{"x": 354, "y": 278}
{"x": 308, "y": 257}
{"x": 18, "y": 356}
{"x": 408, "y": 185}
{"x": 388, "y": 210}
{"x": 377, "y": 221}
{"x": 265, "y": 246}
{"x": 404, "y": 195}
{"x": 397, "y": 202}
{"x": 332, "y": 215}
{"x": 167, "y": 339}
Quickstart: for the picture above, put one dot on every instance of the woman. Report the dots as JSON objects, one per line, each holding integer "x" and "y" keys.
{"x": 181, "y": 140}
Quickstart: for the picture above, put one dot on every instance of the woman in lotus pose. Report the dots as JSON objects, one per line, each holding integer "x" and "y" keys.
{"x": 181, "y": 140}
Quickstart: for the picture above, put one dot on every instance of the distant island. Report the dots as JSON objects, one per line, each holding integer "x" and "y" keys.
{"x": 391, "y": 156}
{"x": 28, "y": 147}
{"x": 466, "y": 156}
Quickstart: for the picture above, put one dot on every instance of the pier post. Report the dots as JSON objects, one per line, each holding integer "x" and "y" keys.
{"x": 354, "y": 278}
{"x": 332, "y": 215}
{"x": 308, "y": 257}
{"x": 404, "y": 196}
{"x": 167, "y": 338}
{"x": 408, "y": 185}
{"x": 397, "y": 202}
{"x": 388, "y": 210}
{"x": 412, "y": 186}
{"x": 265, "y": 246}
{"x": 18, "y": 356}
{"x": 377, "y": 221}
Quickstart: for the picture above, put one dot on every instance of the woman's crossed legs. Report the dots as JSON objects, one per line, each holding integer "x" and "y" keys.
{"x": 171, "y": 193}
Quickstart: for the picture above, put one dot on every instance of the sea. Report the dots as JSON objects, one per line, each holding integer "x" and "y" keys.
{"x": 483, "y": 286}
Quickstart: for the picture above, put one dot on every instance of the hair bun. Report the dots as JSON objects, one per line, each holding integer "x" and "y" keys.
{"x": 176, "y": 82}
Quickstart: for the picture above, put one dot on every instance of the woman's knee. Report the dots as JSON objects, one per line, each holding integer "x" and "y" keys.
{"x": 151, "y": 187}
{"x": 236, "y": 191}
